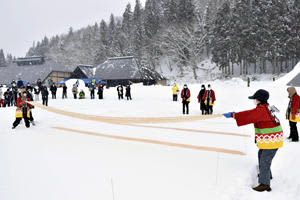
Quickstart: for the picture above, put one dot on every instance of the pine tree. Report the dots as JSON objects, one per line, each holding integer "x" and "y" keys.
{"x": 2, "y": 59}
{"x": 152, "y": 18}
{"x": 138, "y": 32}
{"x": 170, "y": 12}
{"x": 185, "y": 12}
{"x": 220, "y": 36}
{"x": 127, "y": 20}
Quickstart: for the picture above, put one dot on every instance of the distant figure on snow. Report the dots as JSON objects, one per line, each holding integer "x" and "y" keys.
{"x": 20, "y": 83}
{"x": 100, "y": 91}
{"x": 293, "y": 113}
{"x": 92, "y": 90}
{"x": 64, "y": 94}
{"x": 185, "y": 95}
{"x": 45, "y": 93}
{"x": 120, "y": 92}
{"x": 128, "y": 92}
{"x": 175, "y": 91}
{"x": 81, "y": 95}
{"x": 75, "y": 91}
{"x": 209, "y": 100}
{"x": 7, "y": 98}
{"x": 200, "y": 99}
{"x": 53, "y": 90}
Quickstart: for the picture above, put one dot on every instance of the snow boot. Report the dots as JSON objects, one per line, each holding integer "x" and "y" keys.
{"x": 262, "y": 188}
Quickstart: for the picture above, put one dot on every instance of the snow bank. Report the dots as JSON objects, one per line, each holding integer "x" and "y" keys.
{"x": 289, "y": 76}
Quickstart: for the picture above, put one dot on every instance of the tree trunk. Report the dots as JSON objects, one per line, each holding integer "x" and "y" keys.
{"x": 195, "y": 71}
{"x": 241, "y": 68}
{"x": 232, "y": 72}
{"x": 286, "y": 65}
{"x": 255, "y": 66}
{"x": 273, "y": 63}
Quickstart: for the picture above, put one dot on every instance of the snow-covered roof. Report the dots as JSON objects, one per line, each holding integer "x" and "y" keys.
{"x": 295, "y": 81}
{"x": 292, "y": 75}
{"x": 88, "y": 70}
{"x": 31, "y": 73}
{"x": 124, "y": 68}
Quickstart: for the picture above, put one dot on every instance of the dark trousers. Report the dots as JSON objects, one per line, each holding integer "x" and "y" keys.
{"x": 120, "y": 96}
{"x": 53, "y": 95}
{"x": 129, "y": 96}
{"x": 185, "y": 105}
{"x": 293, "y": 131}
{"x": 175, "y": 97}
{"x": 31, "y": 117}
{"x": 64, "y": 95}
{"x": 92, "y": 94}
{"x": 100, "y": 95}
{"x": 45, "y": 100}
{"x": 75, "y": 96}
{"x": 209, "y": 110}
{"x": 18, "y": 120}
{"x": 265, "y": 157}
{"x": 7, "y": 102}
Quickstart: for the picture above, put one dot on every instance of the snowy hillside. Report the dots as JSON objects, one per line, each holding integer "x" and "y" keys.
{"x": 45, "y": 163}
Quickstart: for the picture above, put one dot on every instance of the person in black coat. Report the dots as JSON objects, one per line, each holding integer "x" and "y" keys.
{"x": 7, "y": 98}
{"x": 39, "y": 83}
{"x": 200, "y": 99}
{"x": 14, "y": 95}
{"x": 128, "y": 92}
{"x": 53, "y": 90}
{"x": 120, "y": 92}
{"x": 64, "y": 94}
{"x": 20, "y": 83}
{"x": 100, "y": 91}
{"x": 45, "y": 94}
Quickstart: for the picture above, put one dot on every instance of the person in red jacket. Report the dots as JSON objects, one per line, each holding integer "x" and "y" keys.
{"x": 293, "y": 113}
{"x": 185, "y": 95}
{"x": 209, "y": 98}
{"x": 268, "y": 134}
{"x": 22, "y": 110}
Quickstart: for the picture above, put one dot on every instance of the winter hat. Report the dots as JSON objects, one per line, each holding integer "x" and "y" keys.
{"x": 292, "y": 91}
{"x": 261, "y": 95}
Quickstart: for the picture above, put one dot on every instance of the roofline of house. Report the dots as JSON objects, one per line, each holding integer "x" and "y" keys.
{"x": 117, "y": 58}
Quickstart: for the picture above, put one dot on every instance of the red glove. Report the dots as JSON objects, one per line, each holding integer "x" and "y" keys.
{"x": 293, "y": 116}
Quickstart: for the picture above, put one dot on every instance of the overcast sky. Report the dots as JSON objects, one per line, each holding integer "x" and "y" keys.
{"x": 25, "y": 21}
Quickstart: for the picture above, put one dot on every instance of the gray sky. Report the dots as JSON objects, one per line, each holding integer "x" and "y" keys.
{"x": 25, "y": 21}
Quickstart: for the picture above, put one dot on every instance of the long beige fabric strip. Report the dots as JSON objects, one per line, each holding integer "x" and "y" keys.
{"x": 126, "y": 120}
{"x": 186, "y": 146}
{"x": 191, "y": 130}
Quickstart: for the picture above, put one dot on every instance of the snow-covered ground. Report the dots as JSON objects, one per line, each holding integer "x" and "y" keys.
{"x": 49, "y": 164}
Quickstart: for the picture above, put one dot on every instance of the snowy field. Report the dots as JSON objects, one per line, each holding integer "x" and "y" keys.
{"x": 45, "y": 163}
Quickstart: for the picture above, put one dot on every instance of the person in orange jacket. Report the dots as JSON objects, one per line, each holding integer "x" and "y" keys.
{"x": 293, "y": 113}
{"x": 268, "y": 134}
{"x": 185, "y": 95}
{"x": 22, "y": 110}
{"x": 209, "y": 99}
